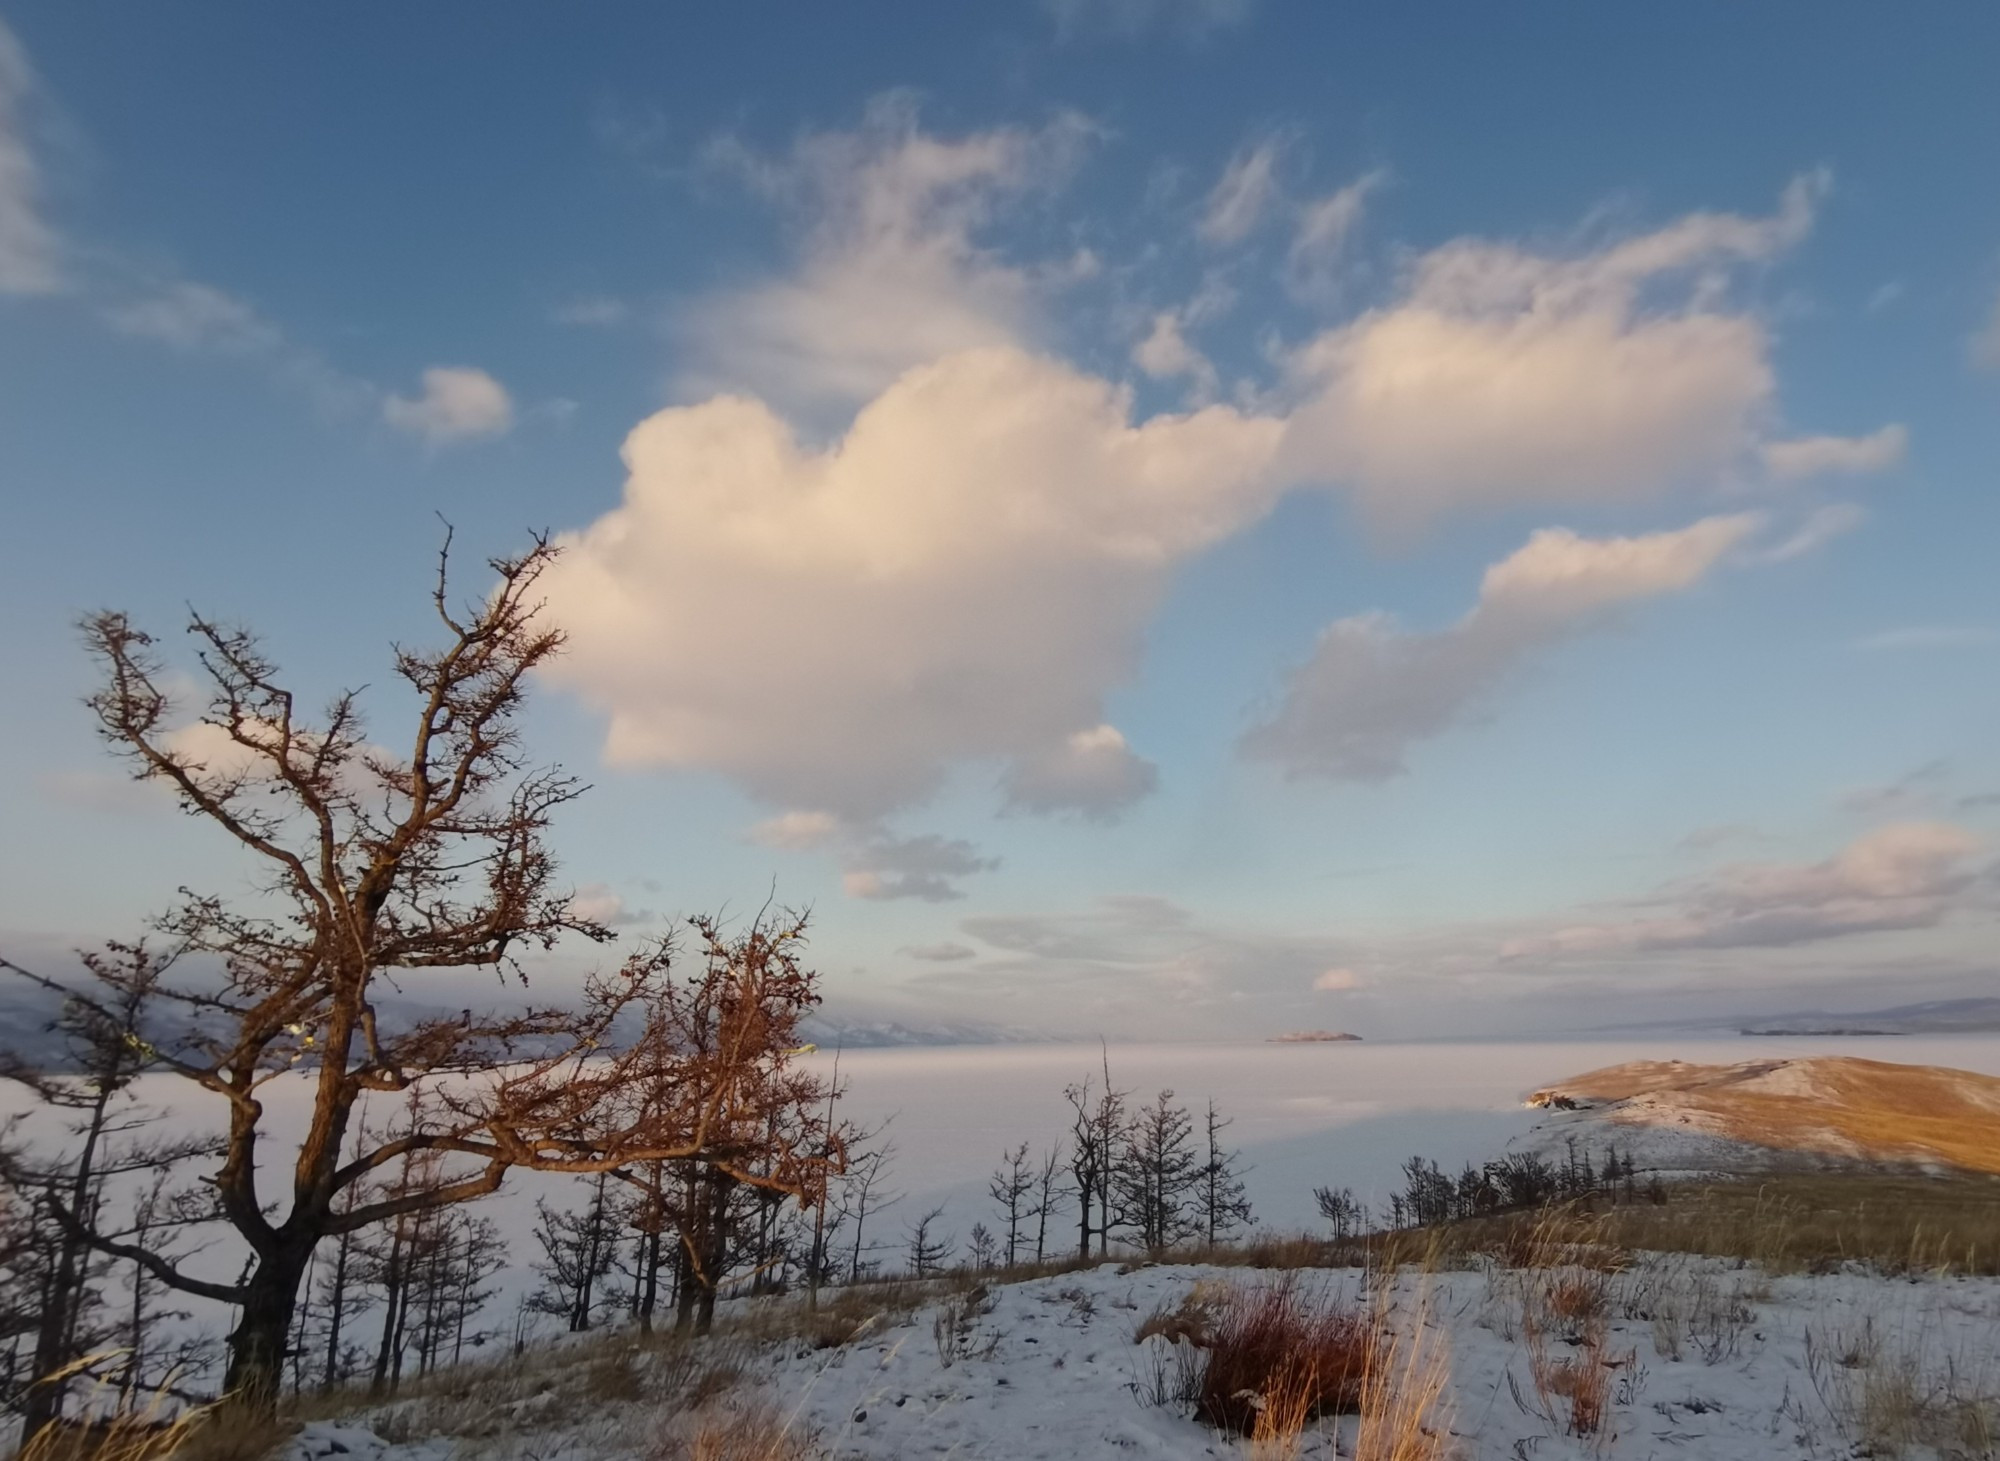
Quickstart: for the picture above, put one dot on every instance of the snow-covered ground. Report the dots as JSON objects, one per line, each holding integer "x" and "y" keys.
{"x": 1707, "y": 1360}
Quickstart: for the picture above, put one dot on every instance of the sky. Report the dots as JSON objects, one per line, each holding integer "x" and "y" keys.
{"x": 1173, "y": 519}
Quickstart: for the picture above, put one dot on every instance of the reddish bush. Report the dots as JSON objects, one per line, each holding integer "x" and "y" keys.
{"x": 1276, "y": 1346}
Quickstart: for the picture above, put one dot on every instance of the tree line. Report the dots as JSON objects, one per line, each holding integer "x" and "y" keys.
{"x": 1520, "y": 1181}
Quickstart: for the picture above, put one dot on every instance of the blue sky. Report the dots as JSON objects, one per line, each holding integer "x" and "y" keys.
{"x": 1170, "y": 517}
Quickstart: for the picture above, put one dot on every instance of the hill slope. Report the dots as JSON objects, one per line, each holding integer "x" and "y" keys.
{"x": 1826, "y": 1106}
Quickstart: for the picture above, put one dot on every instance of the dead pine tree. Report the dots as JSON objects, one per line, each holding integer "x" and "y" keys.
{"x": 578, "y": 1251}
{"x": 1048, "y": 1178}
{"x": 928, "y": 1248}
{"x": 648, "y": 1218}
{"x": 341, "y": 1296}
{"x": 1156, "y": 1174}
{"x": 102, "y": 1051}
{"x": 1222, "y": 1196}
{"x": 428, "y": 851}
{"x": 1097, "y": 1122}
{"x": 1012, "y": 1187}
{"x": 866, "y": 1193}
{"x": 816, "y": 1264}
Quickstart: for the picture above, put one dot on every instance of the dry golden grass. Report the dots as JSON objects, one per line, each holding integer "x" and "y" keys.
{"x": 1806, "y": 1222}
{"x": 842, "y": 1316}
{"x": 1191, "y": 1321}
{"x": 219, "y": 1432}
{"x": 1897, "y": 1394}
{"x": 1837, "y": 1105}
{"x": 1405, "y": 1411}
{"x": 742, "y": 1432}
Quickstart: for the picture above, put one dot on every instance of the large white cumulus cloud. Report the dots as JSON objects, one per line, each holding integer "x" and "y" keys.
{"x": 1500, "y": 376}
{"x": 962, "y": 564}
{"x": 965, "y": 573}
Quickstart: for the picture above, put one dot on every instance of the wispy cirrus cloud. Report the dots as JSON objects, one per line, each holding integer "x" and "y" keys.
{"x": 30, "y": 249}
{"x": 1922, "y": 787}
{"x": 891, "y": 269}
{"x": 1244, "y": 196}
{"x": 1931, "y": 636}
{"x": 1191, "y": 19}
{"x": 195, "y": 317}
{"x": 939, "y": 953}
{"x": 1984, "y": 346}
{"x": 1910, "y": 875}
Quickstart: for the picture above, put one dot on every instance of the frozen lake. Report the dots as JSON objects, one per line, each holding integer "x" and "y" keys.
{"x": 1343, "y": 1115}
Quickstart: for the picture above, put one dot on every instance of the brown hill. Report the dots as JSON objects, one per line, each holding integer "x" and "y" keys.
{"x": 1866, "y": 1110}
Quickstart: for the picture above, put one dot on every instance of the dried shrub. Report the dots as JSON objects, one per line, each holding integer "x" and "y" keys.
{"x": 1572, "y": 1392}
{"x": 1583, "y": 1381}
{"x": 1280, "y": 1350}
{"x": 613, "y": 1379}
{"x": 1577, "y": 1300}
{"x": 1192, "y": 1321}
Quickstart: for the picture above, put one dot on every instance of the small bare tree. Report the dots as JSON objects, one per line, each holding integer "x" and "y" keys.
{"x": 1222, "y": 1193}
{"x": 1157, "y": 1174}
{"x": 1097, "y": 1122}
{"x": 1012, "y": 1186}
{"x": 929, "y": 1249}
{"x": 102, "y": 1051}
{"x": 1047, "y": 1179}
{"x": 430, "y": 857}
{"x": 1341, "y": 1208}
{"x": 578, "y": 1250}
{"x": 865, "y": 1193}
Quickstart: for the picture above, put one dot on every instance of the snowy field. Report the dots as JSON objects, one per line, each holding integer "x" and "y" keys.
{"x": 1705, "y": 1360}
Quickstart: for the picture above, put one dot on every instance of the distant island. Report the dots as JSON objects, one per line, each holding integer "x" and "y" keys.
{"x": 1310, "y": 1037}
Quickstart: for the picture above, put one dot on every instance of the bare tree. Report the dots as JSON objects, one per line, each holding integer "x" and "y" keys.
{"x": 730, "y": 1024}
{"x": 1156, "y": 1174}
{"x": 434, "y": 857}
{"x": 1096, "y": 1124}
{"x": 1341, "y": 1208}
{"x": 577, "y": 1253}
{"x": 929, "y": 1249}
{"x": 102, "y": 1051}
{"x": 983, "y": 1248}
{"x": 865, "y": 1193}
{"x": 1012, "y": 1186}
{"x": 1047, "y": 1177}
{"x": 650, "y": 1216}
{"x": 1222, "y": 1194}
